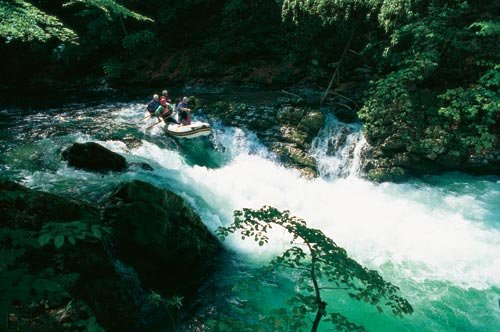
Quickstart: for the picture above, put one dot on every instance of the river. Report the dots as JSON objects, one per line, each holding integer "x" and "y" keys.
{"x": 437, "y": 238}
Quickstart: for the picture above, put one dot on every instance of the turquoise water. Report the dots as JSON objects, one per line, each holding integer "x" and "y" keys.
{"x": 437, "y": 238}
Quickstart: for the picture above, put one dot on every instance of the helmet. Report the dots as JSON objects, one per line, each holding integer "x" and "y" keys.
{"x": 185, "y": 99}
{"x": 164, "y": 92}
{"x": 155, "y": 96}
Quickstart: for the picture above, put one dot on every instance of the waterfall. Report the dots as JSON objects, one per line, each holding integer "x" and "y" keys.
{"x": 338, "y": 148}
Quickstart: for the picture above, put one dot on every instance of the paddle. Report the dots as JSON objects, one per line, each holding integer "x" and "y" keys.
{"x": 147, "y": 117}
{"x": 153, "y": 125}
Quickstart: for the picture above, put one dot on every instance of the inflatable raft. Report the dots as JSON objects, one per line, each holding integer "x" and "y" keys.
{"x": 195, "y": 129}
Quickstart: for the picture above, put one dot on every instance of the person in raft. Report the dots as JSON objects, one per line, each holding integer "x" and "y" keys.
{"x": 184, "y": 111}
{"x": 153, "y": 104}
{"x": 167, "y": 112}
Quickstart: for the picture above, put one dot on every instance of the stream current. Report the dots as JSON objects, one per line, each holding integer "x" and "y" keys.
{"x": 437, "y": 238}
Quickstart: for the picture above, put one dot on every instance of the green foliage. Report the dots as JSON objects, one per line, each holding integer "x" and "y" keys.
{"x": 110, "y": 8}
{"x": 20, "y": 282}
{"x": 114, "y": 68}
{"x": 339, "y": 11}
{"x": 136, "y": 41}
{"x": 174, "y": 302}
{"x": 88, "y": 325}
{"x": 470, "y": 113}
{"x": 487, "y": 28}
{"x": 321, "y": 266}
{"x": 20, "y": 20}
{"x": 436, "y": 45}
{"x": 72, "y": 231}
{"x": 17, "y": 282}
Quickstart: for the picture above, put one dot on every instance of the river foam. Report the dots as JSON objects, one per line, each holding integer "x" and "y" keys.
{"x": 424, "y": 231}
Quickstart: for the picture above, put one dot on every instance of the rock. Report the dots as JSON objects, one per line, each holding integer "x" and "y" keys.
{"x": 98, "y": 286}
{"x": 336, "y": 142}
{"x": 290, "y": 115}
{"x": 29, "y": 209}
{"x": 393, "y": 174}
{"x": 345, "y": 115}
{"x": 154, "y": 231}
{"x": 416, "y": 164}
{"x": 293, "y": 135}
{"x": 393, "y": 144}
{"x": 160, "y": 237}
{"x": 311, "y": 123}
{"x": 93, "y": 157}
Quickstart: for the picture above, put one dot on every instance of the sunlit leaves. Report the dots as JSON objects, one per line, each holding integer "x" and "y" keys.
{"x": 110, "y": 8}
{"x": 20, "y": 20}
{"x": 487, "y": 28}
{"x": 318, "y": 265}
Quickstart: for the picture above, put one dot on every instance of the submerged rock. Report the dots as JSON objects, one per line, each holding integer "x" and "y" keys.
{"x": 93, "y": 157}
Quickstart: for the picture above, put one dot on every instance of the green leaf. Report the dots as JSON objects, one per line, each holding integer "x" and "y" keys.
{"x": 44, "y": 239}
{"x": 59, "y": 241}
{"x": 72, "y": 240}
{"x": 97, "y": 232}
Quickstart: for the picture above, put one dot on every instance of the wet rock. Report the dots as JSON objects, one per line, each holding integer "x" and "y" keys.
{"x": 160, "y": 237}
{"x": 93, "y": 157}
{"x": 393, "y": 144}
{"x": 290, "y": 115}
{"x": 293, "y": 135}
{"x": 311, "y": 123}
{"x": 285, "y": 128}
{"x": 336, "y": 142}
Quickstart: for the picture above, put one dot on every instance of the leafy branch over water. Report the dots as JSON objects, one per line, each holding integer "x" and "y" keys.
{"x": 322, "y": 266}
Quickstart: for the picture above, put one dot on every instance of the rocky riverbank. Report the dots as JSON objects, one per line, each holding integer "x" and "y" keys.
{"x": 65, "y": 258}
{"x": 288, "y": 124}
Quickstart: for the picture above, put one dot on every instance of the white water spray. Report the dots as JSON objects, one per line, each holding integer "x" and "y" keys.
{"x": 419, "y": 230}
{"x": 338, "y": 149}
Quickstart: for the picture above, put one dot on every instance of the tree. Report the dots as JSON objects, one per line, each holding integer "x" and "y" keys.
{"x": 322, "y": 266}
{"x": 20, "y": 20}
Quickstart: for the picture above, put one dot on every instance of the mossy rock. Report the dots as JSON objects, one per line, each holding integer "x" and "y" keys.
{"x": 290, "y": 115}
{"x": 392, "y": 174}
{"x": 311, "y": 123}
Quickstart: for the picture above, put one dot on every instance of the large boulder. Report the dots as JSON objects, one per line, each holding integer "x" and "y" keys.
{"x": 93, "y": 157}
{"x": 161, "y": 237}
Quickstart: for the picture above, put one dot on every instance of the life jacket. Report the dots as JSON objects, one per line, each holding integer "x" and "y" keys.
{"x": 152, "y": 106}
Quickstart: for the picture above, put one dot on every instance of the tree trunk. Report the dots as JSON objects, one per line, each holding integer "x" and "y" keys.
{"x": 339, "y": 63}
{"x": 321, "y": 304}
